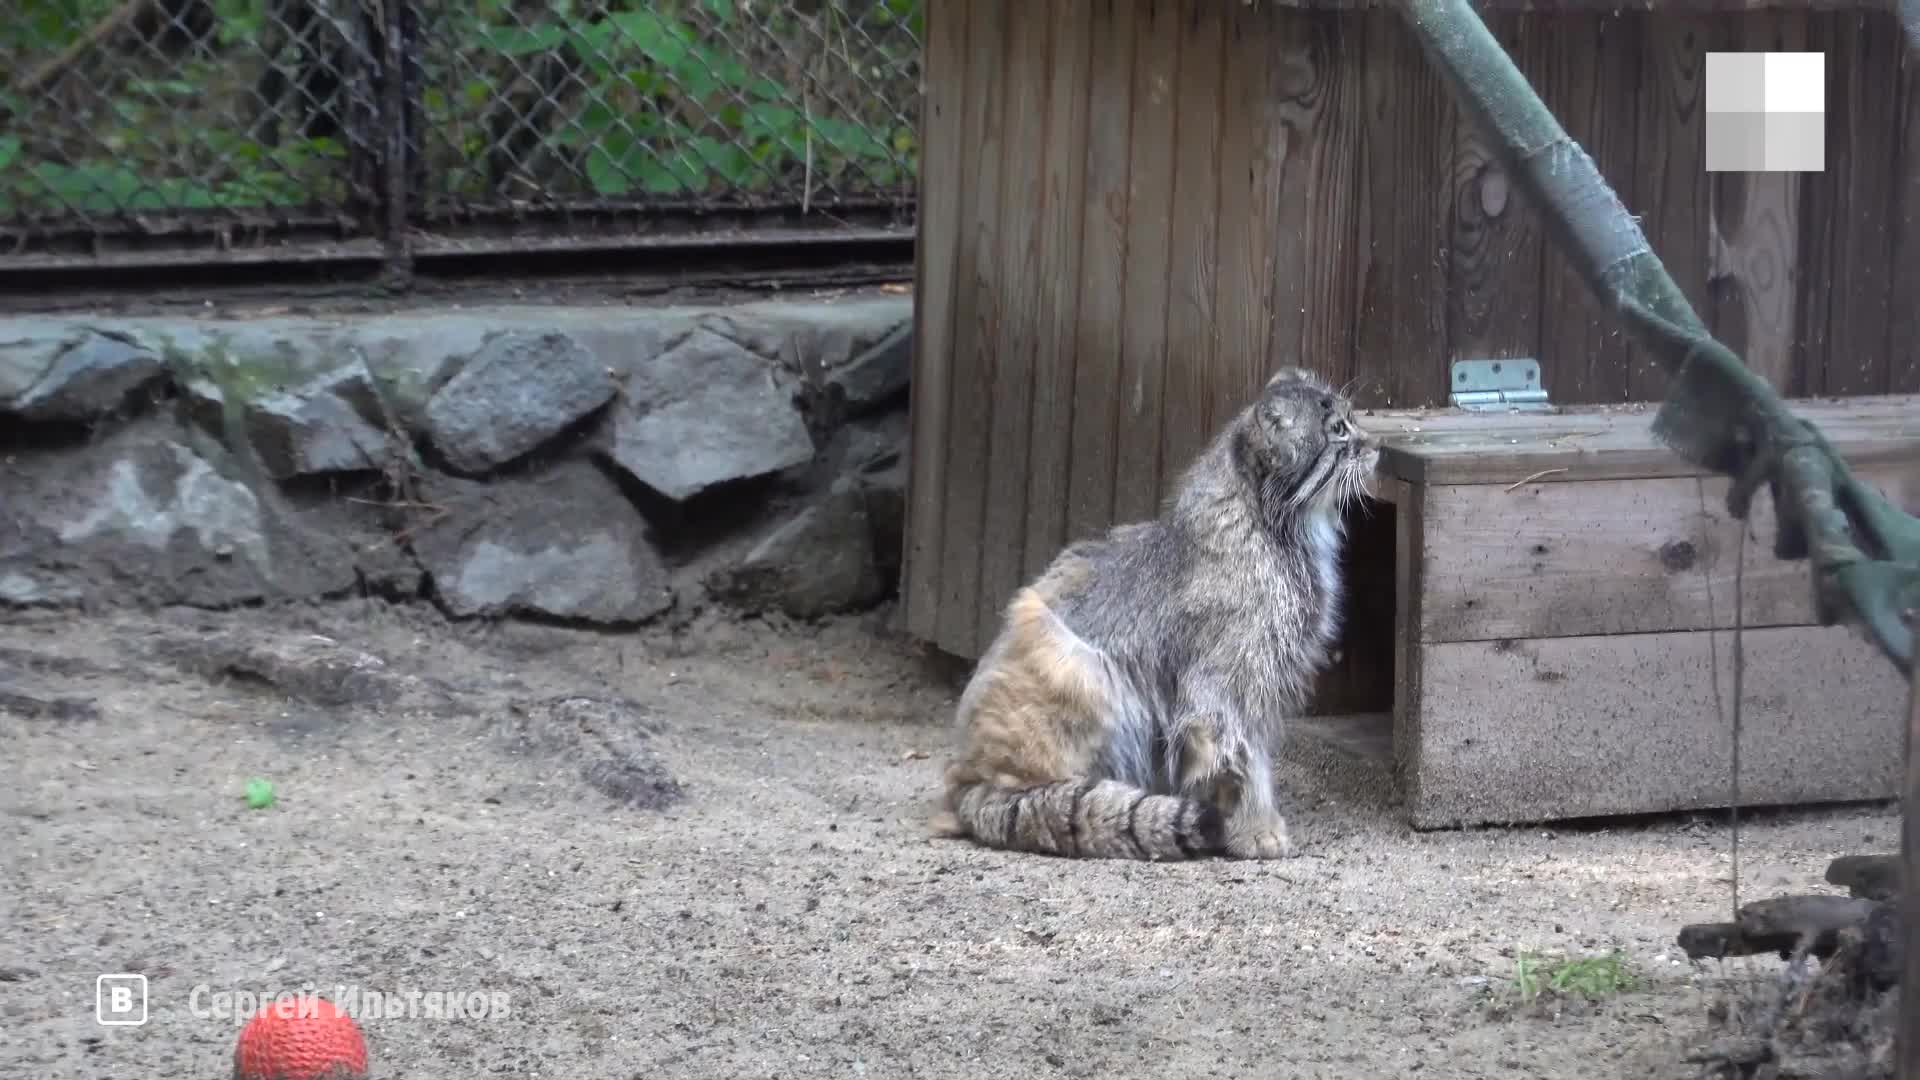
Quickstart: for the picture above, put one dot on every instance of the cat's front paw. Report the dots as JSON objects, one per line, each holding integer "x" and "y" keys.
{"x": 1267, "y": 840}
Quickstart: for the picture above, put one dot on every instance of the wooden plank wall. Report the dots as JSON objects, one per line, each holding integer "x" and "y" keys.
{"x": 1133, "y": 210}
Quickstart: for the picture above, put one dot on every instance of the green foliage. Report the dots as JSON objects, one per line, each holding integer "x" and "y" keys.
{"x": 1588, "y": 976}
{"x": 674, "y": 107}
{"x": 664, "y": 99}
{"x": 47, "y": 26}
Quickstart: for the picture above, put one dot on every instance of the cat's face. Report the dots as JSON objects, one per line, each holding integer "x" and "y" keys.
{"x": 1306, "y": 446}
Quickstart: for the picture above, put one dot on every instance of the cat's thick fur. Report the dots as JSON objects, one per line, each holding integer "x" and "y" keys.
{"x": 1132, "y": 702}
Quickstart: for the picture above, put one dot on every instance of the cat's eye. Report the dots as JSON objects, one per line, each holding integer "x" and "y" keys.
{"x": 1338, "y": 428}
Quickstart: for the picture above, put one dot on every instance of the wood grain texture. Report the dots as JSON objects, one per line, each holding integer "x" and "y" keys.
{"x": 1854, "y": 195}
{"x": 1400, "y": 352}
{"x": 1061, "y": 197}
{"x": 1493, "y": 285}
{"x": 1753, "y": 238}
{"x": 936, "y": 265}
{"x": 1595, "y": 443}
{"x": 1330, "y": 153}
{"x": 1755, "y": 253}
{"x": 1018, "y": 333}
{"x": 1150, "y": 208}
{"x": 1587, "y": 65}
{"x": 976, "y": 321}
{"x": 1903, "y": 321}
{"x": 1318, "y": 227}
{"x": 1192, "y": 345}
{"x": 1253, "y": 194}
{"x": 1409, "y": 530}
{"x": 1540, "y": 730}
{"x": 1319, "y": 87}
{"x": 1673, "y": 191}
{"x": 1103, "y": 270}
{"x": 1610, "y": 557}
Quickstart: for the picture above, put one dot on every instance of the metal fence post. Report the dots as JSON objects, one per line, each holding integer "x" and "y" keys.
{"x": 399, "y": 132}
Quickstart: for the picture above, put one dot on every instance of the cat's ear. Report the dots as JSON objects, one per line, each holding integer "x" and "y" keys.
{"x": 1291, "y": 375}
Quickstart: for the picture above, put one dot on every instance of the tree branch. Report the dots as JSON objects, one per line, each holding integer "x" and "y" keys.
{"x": 1720, "y": 415}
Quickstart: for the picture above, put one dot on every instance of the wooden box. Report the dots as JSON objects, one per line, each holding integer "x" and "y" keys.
{"x": 1564, "y": 593}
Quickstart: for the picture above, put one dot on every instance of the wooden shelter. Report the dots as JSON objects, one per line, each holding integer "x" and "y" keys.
{"x": 1133, "y": 210}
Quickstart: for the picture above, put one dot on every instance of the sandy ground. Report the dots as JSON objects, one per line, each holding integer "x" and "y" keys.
{"x": 457, "y": 825}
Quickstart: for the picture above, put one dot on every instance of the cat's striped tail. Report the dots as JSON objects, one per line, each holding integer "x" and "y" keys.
{"x": 1091, "y": 819}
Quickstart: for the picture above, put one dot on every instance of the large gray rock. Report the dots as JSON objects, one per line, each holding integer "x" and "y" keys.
{"x": 19, "y": 590}
{"x": 704, "y": 413}
{"x": 886, "y": 493}
{"x": 27, "y": 349}
{"x": 871, "y": 453}
{"x": 413, "y": 355}
{"x": 520, "y": 390}
{"x": 809, "y": 336}
{"x": 204, "y": 404}
{"x": 90, "y": 372}
{"x": 326, "y": 426}
{"x": 818, "y": 563}
{"x": 144, "y": 517}
{"x": 566, "y": 544}
{"x": 876, "y": 376}
{"x": 868, "y": 443}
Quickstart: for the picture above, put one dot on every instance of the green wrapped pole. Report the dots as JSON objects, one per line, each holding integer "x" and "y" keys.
{"x": 1720, "y": 415}
{"x": 1865, "y": 551}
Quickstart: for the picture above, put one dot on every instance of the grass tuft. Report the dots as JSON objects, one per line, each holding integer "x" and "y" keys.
{"x": 1586, "y": 976}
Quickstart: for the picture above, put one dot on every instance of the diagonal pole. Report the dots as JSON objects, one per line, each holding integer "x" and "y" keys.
{"x": 1865, "y": 551}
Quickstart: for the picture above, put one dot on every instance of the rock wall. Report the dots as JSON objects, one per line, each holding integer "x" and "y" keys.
{"x": 608, "y": 466}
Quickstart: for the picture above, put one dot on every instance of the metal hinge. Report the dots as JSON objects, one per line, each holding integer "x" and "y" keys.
{"x": 1510, "y": 384}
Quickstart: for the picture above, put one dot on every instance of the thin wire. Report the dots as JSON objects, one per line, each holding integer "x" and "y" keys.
{"x": 1739, "y": 670}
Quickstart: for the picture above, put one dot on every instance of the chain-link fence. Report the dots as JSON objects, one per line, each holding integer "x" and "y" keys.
{"x": 304, "y": 128}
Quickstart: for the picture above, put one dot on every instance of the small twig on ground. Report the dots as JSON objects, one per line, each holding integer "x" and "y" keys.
{"x": 1571, "y": 435}
{"x": 405, "y": 535}
{"x": 1525, "y": 480}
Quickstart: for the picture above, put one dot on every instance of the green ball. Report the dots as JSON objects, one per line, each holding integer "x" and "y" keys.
{"x": 259, "y": 794}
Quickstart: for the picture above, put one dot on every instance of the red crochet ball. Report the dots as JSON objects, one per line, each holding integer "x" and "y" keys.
{"x": 300, "y": 1039}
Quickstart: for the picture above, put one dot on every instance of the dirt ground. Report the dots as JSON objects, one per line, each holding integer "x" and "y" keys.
{"x": 702, "y": 853}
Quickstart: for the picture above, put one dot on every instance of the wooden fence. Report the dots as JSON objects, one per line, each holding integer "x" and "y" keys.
{"x": 1133, "y": 210}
